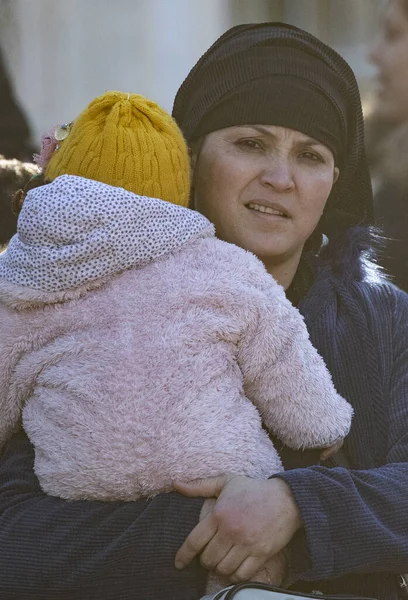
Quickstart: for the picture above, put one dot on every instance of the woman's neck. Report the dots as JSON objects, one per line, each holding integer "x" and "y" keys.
{"x": 283, "y": 271}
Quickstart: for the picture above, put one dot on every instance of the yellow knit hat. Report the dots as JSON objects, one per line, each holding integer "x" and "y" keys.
{"x": 128, "y": 141}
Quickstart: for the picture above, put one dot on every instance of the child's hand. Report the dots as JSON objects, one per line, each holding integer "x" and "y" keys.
{"x": 333, "y": 449}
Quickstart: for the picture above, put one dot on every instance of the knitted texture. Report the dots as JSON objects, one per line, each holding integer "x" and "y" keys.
{"x": 128, "y": 141}
{"x": 247, "y": 53}
{"x": 76, "y": 230}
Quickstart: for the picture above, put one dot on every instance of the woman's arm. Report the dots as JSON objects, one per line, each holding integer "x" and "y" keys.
{"x": 86, "y": 549}
{"x": 335, "y": 521}
{"x": 357, "y": 521}
{"x": 354, "y": 521}
{"x": 339, "y": 521}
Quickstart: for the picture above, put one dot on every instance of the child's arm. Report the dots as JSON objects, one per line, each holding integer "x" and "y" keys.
{"x": 285, "y": 377}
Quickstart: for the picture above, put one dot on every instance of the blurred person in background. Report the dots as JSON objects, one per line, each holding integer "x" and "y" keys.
{"x": 14, "y": 130}
{"x": 387, "y": 137}
{"x": 274, "y": 122}
{"x": 14, "y": 175}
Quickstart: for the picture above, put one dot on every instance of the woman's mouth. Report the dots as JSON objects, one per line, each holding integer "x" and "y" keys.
{"x": 269, "y": 210}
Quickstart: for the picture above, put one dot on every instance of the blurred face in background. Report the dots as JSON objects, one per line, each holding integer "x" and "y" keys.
{"x": 390, "y": 55}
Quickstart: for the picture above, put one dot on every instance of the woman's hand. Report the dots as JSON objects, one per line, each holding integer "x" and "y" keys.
{"x": 273, "y": 572}
{"x": 251, "y": 522}
{"x": 207, "y": 507}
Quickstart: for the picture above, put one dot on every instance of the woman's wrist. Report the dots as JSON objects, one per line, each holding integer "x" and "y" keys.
{"x": 293, "y": 515}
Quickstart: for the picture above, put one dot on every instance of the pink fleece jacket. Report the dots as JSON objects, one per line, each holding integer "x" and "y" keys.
{"x": 139, "y": 349}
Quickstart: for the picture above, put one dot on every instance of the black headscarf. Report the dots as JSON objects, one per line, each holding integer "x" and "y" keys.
{"x": 277, "y": 74}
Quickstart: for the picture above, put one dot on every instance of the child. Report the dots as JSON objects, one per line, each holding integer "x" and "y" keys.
{"x": 137, "y": 347}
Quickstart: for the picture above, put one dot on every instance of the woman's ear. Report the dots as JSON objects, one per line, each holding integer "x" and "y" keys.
{"x": 193, "y": 162}
{"x": 194, "y": 153}
{"x": 336, "y": 174}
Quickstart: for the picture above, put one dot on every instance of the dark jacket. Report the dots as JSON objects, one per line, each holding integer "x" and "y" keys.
{"x": 355, "y": 521}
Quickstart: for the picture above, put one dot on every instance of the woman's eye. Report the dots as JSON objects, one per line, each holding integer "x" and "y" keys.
{"x": 312, "y": 156}
{"x": 249, "y": 143}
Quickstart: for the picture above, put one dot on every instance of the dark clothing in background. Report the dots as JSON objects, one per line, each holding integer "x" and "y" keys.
{"x": 14, "y": 130}
{"x": 387, "y": 152}
{"x": 391, "y": 214}
{"x": 15, "y": 154}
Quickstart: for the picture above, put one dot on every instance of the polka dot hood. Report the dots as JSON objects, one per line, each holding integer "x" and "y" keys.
{"x": 74, "y": 231}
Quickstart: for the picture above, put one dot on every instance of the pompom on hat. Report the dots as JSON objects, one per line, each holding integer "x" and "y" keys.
{"x": 124, "y": 140}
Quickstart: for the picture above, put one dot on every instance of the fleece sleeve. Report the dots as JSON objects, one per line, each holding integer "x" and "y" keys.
{"x": 356, "y": 521}
{"x": 284, "y": 375}
{"x": 51, "y": 548}
{"x": 12, "y": 347}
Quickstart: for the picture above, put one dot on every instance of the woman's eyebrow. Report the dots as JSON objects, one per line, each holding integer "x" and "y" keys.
{"x": 306, "y": 140}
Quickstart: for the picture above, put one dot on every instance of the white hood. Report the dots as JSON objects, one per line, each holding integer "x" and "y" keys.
{"x": 75, "y": 230}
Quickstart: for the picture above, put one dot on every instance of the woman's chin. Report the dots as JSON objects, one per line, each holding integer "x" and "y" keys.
{"x": 270, "y": 255}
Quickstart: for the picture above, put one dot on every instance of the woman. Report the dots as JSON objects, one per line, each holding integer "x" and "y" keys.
{"x": 274, "y": 120}
{"x": 301, "y": 89}
{"x": 387, "y": 137}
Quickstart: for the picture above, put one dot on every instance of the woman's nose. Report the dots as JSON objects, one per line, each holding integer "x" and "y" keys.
{"x": 279, "y": 176}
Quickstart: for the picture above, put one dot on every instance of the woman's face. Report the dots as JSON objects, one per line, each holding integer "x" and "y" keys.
{"x": 390, "y": 55}
{"x": 264, "y": 187}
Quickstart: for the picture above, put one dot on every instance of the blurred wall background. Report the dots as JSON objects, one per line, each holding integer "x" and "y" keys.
{"x": 62, "y": 53}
